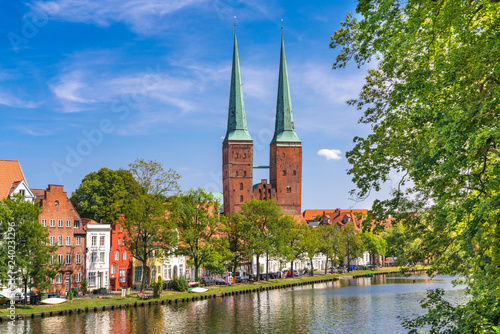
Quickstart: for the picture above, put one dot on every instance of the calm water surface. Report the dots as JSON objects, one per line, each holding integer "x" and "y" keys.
{"x": 363, "y": 305}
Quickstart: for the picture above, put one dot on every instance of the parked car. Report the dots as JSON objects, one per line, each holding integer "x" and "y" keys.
{"x": 19, "y": 297}
{"x": 220, "y": 281}
{"x": 295, "y": 273}
{"x": 207, "y": 281}
{"x": 241, "y": 276}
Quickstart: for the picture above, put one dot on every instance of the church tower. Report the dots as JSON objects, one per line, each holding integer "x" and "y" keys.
{"x": 237, "y": 148}
{"x": 285, "y": 175}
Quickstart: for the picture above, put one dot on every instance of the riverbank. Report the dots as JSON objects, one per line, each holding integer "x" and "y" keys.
{"x": 82, "y": 305}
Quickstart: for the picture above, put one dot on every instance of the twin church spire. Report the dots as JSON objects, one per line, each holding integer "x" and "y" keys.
{"x": 284, "y": 130}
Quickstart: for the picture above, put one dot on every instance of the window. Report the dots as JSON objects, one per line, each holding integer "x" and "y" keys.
{"x": 138, "y": 274}
{"x": 52, "y": 259}
{"x": 244, "y": 155}
{"x": 52, "y": 223}
{"x": 121, "y": 228}
{"x": 60, "y": 240}
{"x": 77, "y": 224}
{"x": 22, "y": 192}
{"x": 117, "y": 256}
{"x": 44, "y": 222}
{"x": 93, "y": 257}
{"x": 60, "y": 223}
{"x": 68, "y": 258}
{"x": 101, "y": 257}
{"x": 123, "y": 275}
{"x": 113, "y": 269}
{"x": 245, "y": 173}
{"x": 60, "y": 258}
{"x": 78, "y": 241}
{"x": 125, "y": 255}
{"x": 288, "y": 189}
{"x": 78, "y": 258}
{"x": 284, "y": 172}
{"x": 68, "y": 241}
{"x": 241, "y": 198}
{"x": 150, "y": 253}
{"x": 94, "y": 240}
{"x": 78, "y": 277}
{"x": 236, "y": 173}
{"x": 59, "y": 279}
{"x": 68, "y": 223}
{"x": 118, "y": 241}
{"x": 52, "y": 240}
{"x": 236, "y": 155}
{"x": 101, "y": 241}
{"x": 294, "y": 172}
{"x": 92, "y": 279}
{"x": 56, "y": 203}
{"x": 241, "y": 186}
{"x": 181, "y": 269}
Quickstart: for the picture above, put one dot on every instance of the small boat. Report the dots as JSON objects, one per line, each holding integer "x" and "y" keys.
{"x": 369, "y": 275}
{"x": 197, "y": 290}
{"x": 53, "y": 301}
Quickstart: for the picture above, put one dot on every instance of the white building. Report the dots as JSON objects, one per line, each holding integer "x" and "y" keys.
{"x": 173, "y": 266}
{"x": 97, "y": 257}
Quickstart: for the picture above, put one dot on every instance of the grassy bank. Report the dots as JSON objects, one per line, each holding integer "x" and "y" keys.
{"x": 82, "y": 303}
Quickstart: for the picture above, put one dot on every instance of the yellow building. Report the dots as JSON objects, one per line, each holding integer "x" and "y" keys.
{"x": 153, "y": 268}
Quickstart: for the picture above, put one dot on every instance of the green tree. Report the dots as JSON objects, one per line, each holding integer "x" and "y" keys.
{"x": 196, "y": 215}
{"x": 153, "y": 178}
{"x": 103, "y": 194}
{"x": 352, "y": 246}
{"x": 149, "y": 232}
{"x": 432, "y": 104}
{"x": 311, "y": 243}
{"x": 263, "y": 218}
{"x": 291, "y": 234}
{"x": 236, "y": 230}
{"x": 374, "y": 244}
{"x": 331, "y": 244}
{"x": 26, "y": 248}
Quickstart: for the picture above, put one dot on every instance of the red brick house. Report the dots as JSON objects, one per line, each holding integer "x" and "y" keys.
{"x": 65, "y": 230}
{"x": 120, "y": 259}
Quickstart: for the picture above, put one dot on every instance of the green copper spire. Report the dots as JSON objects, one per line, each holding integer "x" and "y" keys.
{"x": 236, "y": 121}
{"x": 284, "y": 130}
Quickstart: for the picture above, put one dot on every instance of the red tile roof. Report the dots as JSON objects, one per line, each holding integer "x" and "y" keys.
{"x": 10, "y": 172}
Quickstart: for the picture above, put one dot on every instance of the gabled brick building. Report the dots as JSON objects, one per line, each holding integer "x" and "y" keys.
{"x": 65, "y": 230}
{"x": 285, "y": 170}
{"x": 120, "y": 259}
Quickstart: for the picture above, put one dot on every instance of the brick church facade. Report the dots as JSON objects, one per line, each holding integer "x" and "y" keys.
{"x": 285, "y": 161}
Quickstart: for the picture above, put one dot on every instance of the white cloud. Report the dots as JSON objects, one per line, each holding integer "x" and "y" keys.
{"x": 332, "y": 154}
{"x": 144, "y": 16}
{"x": 11, "y": 101}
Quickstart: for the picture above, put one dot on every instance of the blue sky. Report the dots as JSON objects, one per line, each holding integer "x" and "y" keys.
{"x": 90, "y": 84}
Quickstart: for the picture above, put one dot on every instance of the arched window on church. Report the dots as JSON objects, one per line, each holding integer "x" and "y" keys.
{"x": 288, "y": 189}
{"x": 284, "y": 172}
{"x": 241, "y": 198}
{"x": 245, "y": 173}
{"x": 241, "y": 186}
{"x": 294, "y": 172}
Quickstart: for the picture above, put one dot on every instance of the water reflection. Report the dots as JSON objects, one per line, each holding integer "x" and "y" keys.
{"x": 363, "y": 305}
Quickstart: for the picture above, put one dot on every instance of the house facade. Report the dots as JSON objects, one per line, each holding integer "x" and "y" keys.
{"x": 98, "y": 242}
{"x": 120, "y": 259}
{"x": 65, "y": 231}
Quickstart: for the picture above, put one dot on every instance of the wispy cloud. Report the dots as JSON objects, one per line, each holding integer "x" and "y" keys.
{"x": 34, "y": 132}
{"x": 332, "y": 154}
{"x": 8, "y": 99}
{"x": 143, "y": 16}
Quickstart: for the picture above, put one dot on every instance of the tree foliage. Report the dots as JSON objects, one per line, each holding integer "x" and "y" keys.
{"x": 196, "y": 216}
{"x": 432, "y": 103}
{"x": 263, "y": 218}
{"x": 103, "y": 194}
{"x": 25, "y": 248}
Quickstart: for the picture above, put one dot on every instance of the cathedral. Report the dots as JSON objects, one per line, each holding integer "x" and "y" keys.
{"x": 285, "y": 151}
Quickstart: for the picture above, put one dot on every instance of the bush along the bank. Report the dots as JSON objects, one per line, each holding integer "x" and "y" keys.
{"x": 157, "y": 286}
{"x": 178, "y": 284}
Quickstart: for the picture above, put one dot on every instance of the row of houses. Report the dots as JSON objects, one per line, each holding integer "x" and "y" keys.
{"x": 97, "y": 251}
{"x": 88, "y": 250}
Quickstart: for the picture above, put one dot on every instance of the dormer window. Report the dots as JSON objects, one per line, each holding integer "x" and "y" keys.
{"x": 56, "y": 203}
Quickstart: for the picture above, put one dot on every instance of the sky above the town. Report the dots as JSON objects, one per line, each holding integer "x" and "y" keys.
{"x": 90, "y": 84}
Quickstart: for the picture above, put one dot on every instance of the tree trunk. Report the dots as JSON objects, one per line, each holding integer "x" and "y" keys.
{"x": 144, "y": 268}
{"x": 312, "y": 268}
{"x": 258, "y": 268}
{"x": 196, "y": 269}
{"x": 267, "y": 267}
{"x": 291, "y": 269}
{"x": 326, "y": 265}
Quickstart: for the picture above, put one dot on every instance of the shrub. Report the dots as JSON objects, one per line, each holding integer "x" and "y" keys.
{"x": 178, "y": 284}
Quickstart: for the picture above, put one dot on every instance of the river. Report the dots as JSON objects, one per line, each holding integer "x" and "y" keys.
{"x": 363, "y": 305}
